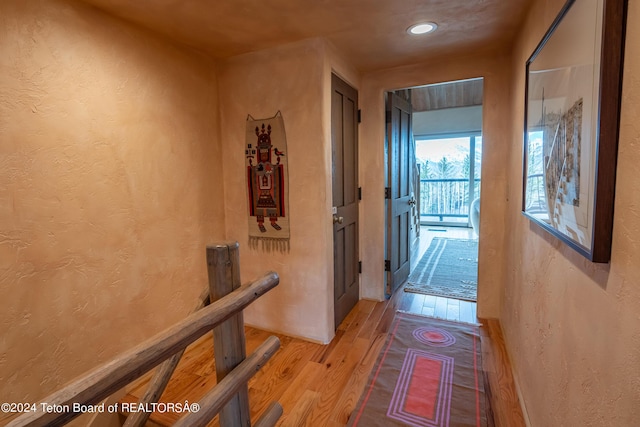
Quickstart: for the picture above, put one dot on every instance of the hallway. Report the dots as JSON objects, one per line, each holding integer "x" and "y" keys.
{"x": 319, "y": 385}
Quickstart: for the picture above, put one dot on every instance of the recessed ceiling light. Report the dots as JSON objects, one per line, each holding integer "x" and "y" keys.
{"x": 422, "y": 28}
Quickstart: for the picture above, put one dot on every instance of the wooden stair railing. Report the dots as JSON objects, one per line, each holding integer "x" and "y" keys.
{"x": 233, "y": 368}
{"x": 161, "y": 378}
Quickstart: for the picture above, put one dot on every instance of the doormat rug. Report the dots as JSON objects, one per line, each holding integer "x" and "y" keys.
{"x": 428, "y": 374}
{"x": 448, "y": 268}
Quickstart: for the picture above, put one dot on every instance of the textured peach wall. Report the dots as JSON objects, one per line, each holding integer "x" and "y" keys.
{"x": 495, "y": 120}
{"x": 572, "y": 327}
{"x": 289, "y": 79}
{"x": 108, "y": 189}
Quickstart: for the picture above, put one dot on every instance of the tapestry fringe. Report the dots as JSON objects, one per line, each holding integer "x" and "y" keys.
{"x": 270, "y": 244}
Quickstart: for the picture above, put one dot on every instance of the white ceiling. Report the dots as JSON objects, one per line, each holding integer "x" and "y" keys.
{"x": 370, "y": 33}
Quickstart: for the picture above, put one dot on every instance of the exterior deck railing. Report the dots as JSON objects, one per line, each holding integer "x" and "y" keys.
{"x": 450, "y": 199}
{"x": 536, "y": 201}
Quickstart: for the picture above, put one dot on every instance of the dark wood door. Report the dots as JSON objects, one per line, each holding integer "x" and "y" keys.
{"x": 344, "y": 137}
{"x": 399, "y": 198}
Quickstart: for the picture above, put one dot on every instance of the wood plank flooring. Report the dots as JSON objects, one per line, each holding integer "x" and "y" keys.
{"x": 319, "y": 385}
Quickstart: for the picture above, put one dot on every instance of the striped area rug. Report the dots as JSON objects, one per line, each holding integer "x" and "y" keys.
{"x": 448, "y": 268}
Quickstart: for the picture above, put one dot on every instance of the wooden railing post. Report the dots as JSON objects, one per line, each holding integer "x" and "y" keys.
{"x": 223, "y": 264}
{"x": 104, "y": 380}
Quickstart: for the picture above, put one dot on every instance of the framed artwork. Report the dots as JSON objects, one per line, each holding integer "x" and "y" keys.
{"x": 572, "y": 109}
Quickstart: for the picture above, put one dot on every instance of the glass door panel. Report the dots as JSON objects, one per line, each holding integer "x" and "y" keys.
{"x": 449, "y": 178}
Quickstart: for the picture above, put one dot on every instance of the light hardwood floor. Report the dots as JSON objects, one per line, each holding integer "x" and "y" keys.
{"x": 319, "y": 385}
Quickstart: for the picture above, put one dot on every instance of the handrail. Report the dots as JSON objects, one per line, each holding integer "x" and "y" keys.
{"x": 447, "y": 197}
{"x": 448, "y": 179}
{"x": 104, "y": 380}
{"x": 270, "y": 417}
{"x": 213, "y": 402}
{"x": 161, "y": 377}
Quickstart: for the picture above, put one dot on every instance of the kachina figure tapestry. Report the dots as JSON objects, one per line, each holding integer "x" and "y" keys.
{"x": 267, "y": 188}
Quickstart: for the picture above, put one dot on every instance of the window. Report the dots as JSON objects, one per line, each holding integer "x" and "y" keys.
{"x": 450, "y": 168}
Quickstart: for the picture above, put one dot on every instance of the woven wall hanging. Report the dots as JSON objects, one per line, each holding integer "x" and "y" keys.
{"x": 267, "y": 185}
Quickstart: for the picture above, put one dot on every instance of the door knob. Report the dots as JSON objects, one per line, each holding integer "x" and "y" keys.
{"x": 412, "y": 202}
{"x": 337, "y": 219}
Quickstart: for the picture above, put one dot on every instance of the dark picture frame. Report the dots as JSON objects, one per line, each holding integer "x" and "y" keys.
{"x": 571, "y": 125}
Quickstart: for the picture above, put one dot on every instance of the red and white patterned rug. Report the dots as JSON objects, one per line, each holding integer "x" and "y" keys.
{"x": 428, "y": 374}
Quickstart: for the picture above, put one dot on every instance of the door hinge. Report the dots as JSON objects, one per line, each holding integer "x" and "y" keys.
{"x": 359, "y": 266}
{"x": 359, "y": 115}
{"x": 387, "y": 192}
{"x": 387, "y": 265}
{"x": 359, "y": 193}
